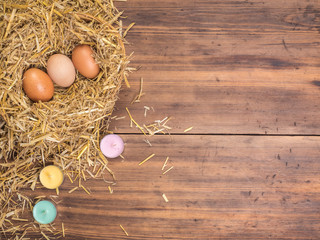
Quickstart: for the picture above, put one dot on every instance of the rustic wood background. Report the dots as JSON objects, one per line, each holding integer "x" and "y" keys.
{"x": 245, "y": 75}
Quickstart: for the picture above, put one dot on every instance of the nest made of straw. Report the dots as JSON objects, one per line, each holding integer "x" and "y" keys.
{"x": 64, "y": 131}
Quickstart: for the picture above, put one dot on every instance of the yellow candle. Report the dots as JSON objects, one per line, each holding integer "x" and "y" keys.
{"x": 51, "y": 177}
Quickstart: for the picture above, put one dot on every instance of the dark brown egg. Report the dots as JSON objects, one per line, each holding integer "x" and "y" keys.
{"x": 37, "y": 85}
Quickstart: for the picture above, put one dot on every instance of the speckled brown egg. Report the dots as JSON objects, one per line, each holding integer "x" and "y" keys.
{"x": 61, "y": 70}
{"x": 37, "y": 85}
{"x": 82, "y": 58}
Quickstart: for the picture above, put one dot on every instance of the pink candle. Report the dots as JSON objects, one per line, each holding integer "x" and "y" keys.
{"x": 111, "y": 145}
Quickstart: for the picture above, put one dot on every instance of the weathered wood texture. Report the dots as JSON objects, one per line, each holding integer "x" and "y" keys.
{"x": 221, "y": 187}
{"x": 231, "y": 67}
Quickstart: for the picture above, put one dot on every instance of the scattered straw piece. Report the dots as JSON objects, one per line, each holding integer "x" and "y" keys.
{"x": 85, "y": 190}
{"x": 119, "y": 118}
{"x": 146, "y": 108}
{"x": 126, "y": 80}
{"x": 135, "y": 121}
{"x": 45, "y": 236}
{"x": 136, "y": 99}
{"x": 73, "y": 189}
{"x": 83, "y": 175}
{"x": 63, "y": 231}
{"x": 142, "y": 162}
{"x": 148, "y": 142}
{"x": 91, "y": 175}
{"x": 165, "y": 198}
{"x": 188, "y": 129}
{"x": 54, "y": 199}
{"x": 165, "y": 163}
{"x": 128, "y": 28}
{"x": 69, "y": 178}
{"x": 78, "y": 175}
{"x": 158, "y": 126}
{"x": 82, "y": 151}
{"x": 110, "y": 189}
{"x": 124, "y": 230}
{"x": 39, "y": 197}
{"x": 20, "y": 219}
{"x": 167, "y": 170}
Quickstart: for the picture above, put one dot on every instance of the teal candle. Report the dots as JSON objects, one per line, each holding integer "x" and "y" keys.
{"x": 44, "y": 212}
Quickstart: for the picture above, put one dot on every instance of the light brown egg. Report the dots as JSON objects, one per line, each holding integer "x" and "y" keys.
{"x": 61, "y": 70}
{"x": 84, "y": 62}
{"x": 37, "y": 85}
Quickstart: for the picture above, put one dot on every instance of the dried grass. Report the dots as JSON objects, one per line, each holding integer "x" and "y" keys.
{"x": 66, "y": 130}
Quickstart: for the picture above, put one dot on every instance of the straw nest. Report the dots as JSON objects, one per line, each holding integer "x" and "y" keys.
{"x": 66, "y": 130}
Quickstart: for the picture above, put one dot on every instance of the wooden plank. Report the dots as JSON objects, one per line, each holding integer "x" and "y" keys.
{"x": 229, "y": 67}
{"x": 221, "y": 187}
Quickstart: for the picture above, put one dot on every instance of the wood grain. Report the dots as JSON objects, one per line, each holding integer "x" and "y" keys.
{"x": 221, "y": 187}
{"x": 226, "y": 67}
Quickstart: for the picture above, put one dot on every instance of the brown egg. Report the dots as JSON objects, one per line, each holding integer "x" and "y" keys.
{"x": 82, "y": 58}
{"x": 61, "y": 70}
{"x": 37, "y": 85}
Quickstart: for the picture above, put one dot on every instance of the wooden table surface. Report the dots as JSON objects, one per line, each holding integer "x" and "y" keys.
{"x": 245, "y": 75}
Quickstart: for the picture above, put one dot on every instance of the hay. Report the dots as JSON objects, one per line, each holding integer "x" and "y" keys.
{"x": 66, "y": 130}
